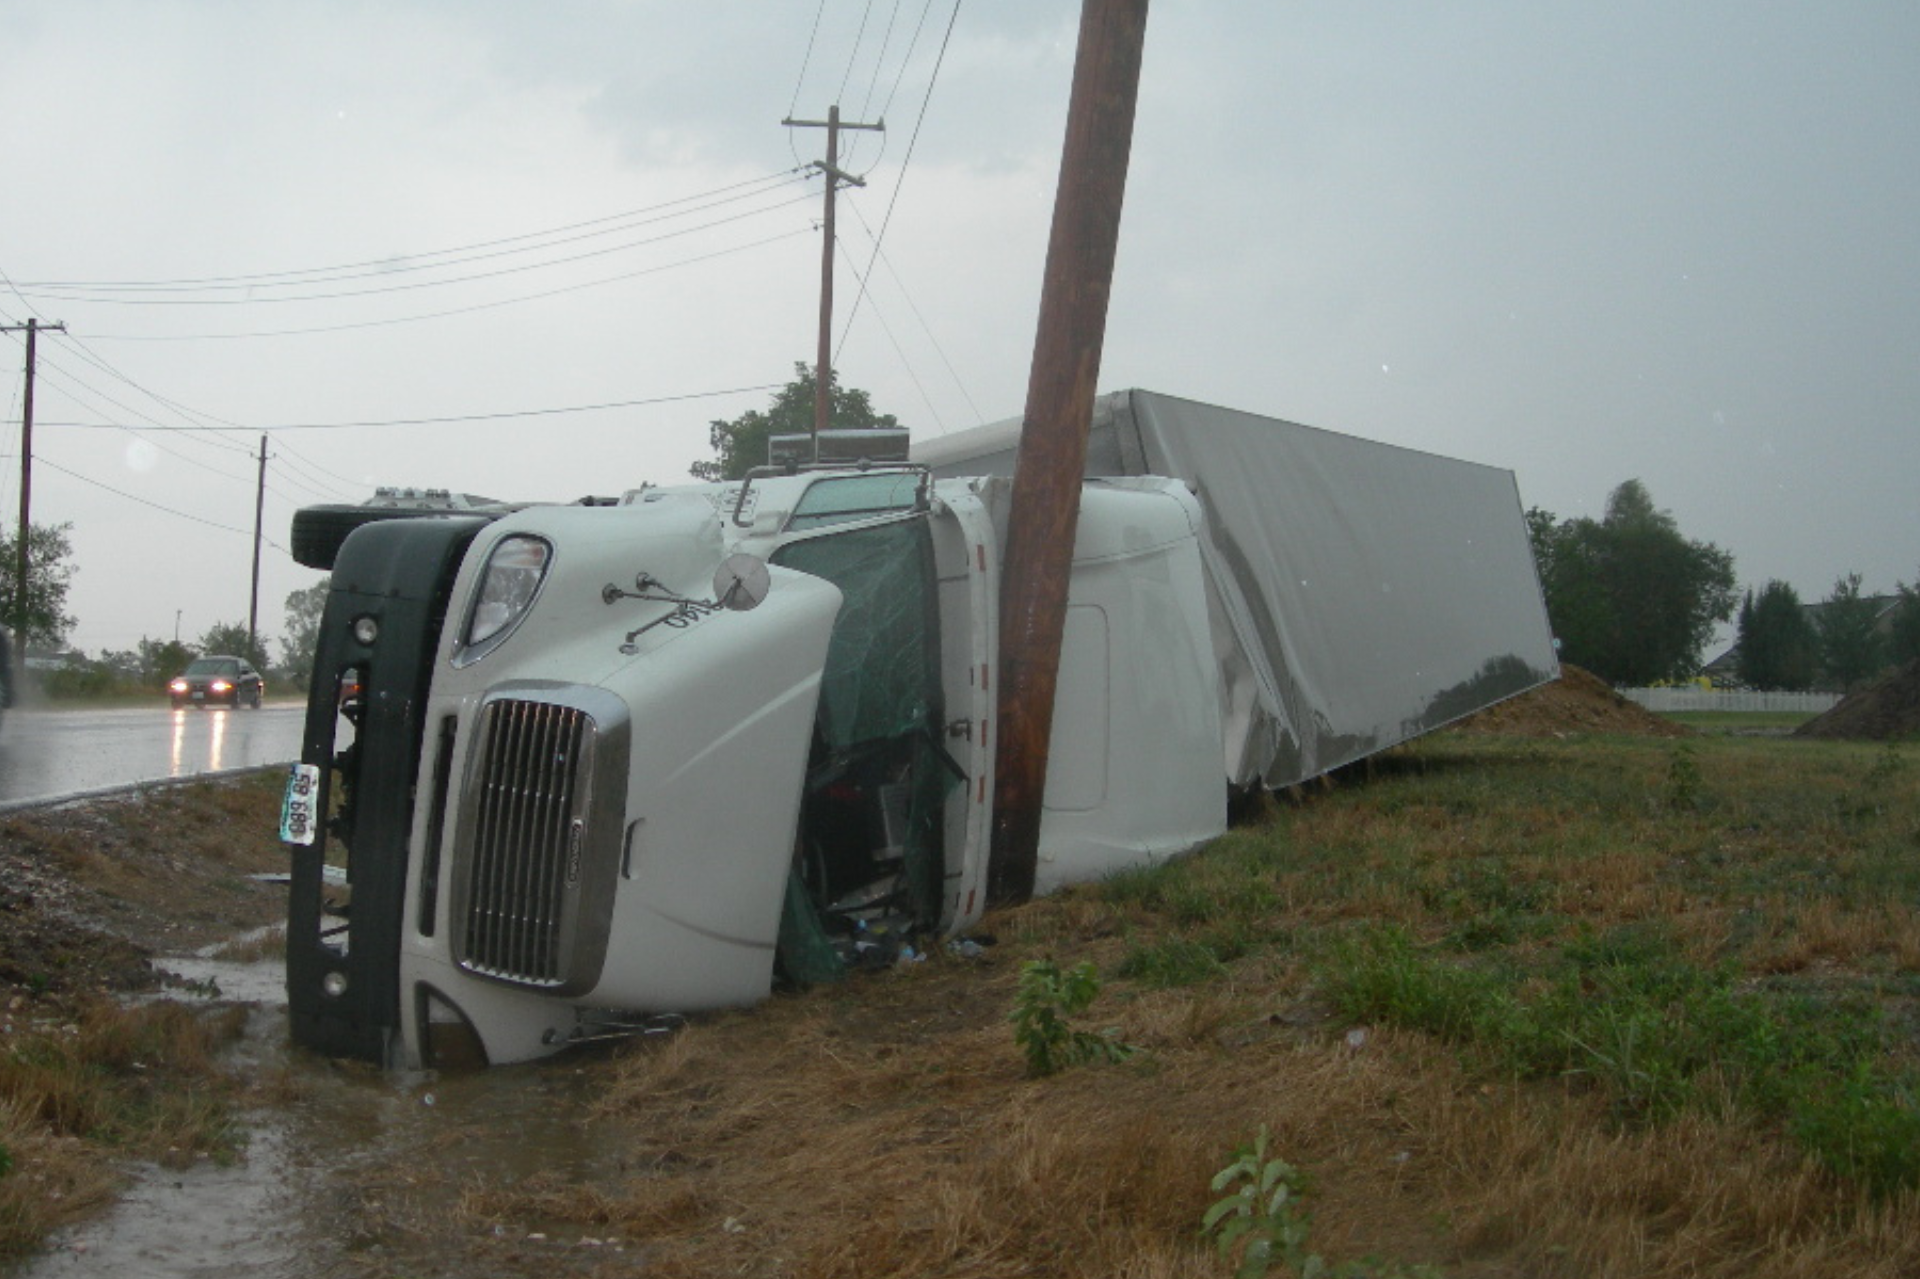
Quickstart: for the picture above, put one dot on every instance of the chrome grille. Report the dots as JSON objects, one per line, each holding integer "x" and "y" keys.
{"x": 525, "y": 833}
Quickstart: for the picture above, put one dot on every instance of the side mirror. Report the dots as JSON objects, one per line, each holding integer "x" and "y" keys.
{"x": 741, "y": 583}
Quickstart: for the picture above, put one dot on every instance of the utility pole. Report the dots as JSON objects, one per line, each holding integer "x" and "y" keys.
{"x": 253, "y": 603}
{"x": 823, "y": 367}
{"x": 1045, "y": 504}
{"x": 32, "y": 327}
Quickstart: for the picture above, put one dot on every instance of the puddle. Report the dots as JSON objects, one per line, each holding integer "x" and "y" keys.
{"x": 339, "y": 1179}
{"x": 229, "y": 981}
{"x": 208, "y": 1222}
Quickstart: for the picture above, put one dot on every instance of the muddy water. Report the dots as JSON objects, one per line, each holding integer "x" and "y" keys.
{"x": 342, "y": 1178}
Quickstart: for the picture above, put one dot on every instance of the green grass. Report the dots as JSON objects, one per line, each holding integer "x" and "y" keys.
{"x": 1739, "y": 721}
{"x": 1723, "y": 927}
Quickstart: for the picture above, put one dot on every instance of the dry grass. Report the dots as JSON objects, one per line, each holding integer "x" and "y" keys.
{"x": 888, "y": 1127}
{"x": 88, "y": 1078}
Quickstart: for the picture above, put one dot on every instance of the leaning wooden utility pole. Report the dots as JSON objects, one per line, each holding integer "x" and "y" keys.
{"x": 823, "y": 367}
{"x": 253, "y": 600}
{"x": 23, "y": 563}
{"x": 1053, "y": 440}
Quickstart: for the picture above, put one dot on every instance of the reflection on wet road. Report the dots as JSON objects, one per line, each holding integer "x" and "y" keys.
{"x": 58, "y": 752}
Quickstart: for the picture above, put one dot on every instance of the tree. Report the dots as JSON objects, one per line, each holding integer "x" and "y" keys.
{"x": 304, "y": 608}
{"x": 230, "y": 638}
{"x": 49, "y": 572}
{"x": 1629, "y": 598}
{"x": 741, "y": 444}
{"x": 1851, "y": 651}
{"x": 1778, "y": 647}
{"x": 161, "y": 660}
{"x": 1904, "y": 643}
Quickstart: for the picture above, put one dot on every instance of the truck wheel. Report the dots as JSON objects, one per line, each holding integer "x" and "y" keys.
{"x": 319, "y": 530}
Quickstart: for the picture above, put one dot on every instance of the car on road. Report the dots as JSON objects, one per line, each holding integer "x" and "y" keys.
{"x": 217, "y": 681}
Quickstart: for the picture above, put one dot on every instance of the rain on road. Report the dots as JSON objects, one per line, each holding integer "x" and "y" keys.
{"x": 48, "y": 753}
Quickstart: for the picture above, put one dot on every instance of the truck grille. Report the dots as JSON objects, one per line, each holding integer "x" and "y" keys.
{"x": 532, "y": 881}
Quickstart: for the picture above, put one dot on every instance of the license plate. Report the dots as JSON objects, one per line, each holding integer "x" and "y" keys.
{"x": 299, "y": 812}
{"x": 198, "y": 696}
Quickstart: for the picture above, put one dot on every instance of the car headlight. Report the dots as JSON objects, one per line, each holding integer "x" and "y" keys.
{"x": 515, "y": 568}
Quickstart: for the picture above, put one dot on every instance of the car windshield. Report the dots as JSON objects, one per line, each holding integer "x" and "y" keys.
{"x": 215, "y": 666}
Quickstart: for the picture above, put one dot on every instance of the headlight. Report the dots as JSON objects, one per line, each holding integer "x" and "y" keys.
{"x": 515, "y": 568}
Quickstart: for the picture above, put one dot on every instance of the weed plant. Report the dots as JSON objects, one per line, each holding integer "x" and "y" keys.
{"x": 1260, "y": 1221}
{"x": 1047, "y": 998}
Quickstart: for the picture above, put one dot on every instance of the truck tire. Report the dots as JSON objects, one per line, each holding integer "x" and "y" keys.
{"x": 319, "y": 530}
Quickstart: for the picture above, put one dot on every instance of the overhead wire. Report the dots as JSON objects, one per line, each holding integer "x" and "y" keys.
{"x": 907, "y": 364}
{"x": 853, "y": 55}
{"x": 899, "y": 183}
{"x": 319, "y": 475}
{"x": 454, "y": 311}
{"x": 907, "y": 295}
{"x": 415, "y": 286}
{"x": 228, "y": 528}
{"x": 55, "y": 374}
{"x": 880, "y": 58}
{"x": 420, "y": 260}
{"x": 81, "y": 397}
{"x": 90, "y": 356}
{"x": 806, "y": 60}
{"x": 275, "y": 428}
{"x": 886, "y": 107}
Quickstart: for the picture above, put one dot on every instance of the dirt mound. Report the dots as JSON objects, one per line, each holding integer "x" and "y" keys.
{"x": 1578, "y": 702}
{"x": 1887, "y": 709}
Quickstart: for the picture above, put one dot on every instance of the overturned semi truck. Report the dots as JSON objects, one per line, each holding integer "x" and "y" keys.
{"x": 567, "y": 768}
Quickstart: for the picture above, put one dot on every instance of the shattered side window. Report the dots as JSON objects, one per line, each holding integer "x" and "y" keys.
{"x": 878, "y": 677}
{"x": 868, "y": 858}
{"x": 842, "y": 499}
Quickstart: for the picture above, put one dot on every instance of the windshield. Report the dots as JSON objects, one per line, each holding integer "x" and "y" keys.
{"x": 215, "y": 666}
{"x": 855, "y": 497}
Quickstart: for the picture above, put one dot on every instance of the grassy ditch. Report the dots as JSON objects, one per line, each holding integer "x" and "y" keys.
{"x": 93, "y": 1069}
{"x": 1556, "y": 1007}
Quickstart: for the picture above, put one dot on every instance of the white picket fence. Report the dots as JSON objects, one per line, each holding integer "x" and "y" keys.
{"x": 1703, "y": 699}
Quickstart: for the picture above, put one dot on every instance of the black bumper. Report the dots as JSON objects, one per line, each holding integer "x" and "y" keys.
{"x": 343, "y": 982}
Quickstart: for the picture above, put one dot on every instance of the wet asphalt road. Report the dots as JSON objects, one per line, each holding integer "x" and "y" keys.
{"x": 47, "y": 753}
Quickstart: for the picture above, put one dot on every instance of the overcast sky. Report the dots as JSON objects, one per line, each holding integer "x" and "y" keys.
{"x": 1588, "y": 243}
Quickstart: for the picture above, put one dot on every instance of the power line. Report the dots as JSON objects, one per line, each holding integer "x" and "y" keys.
{"x": 420, "y": 284}
{"x": 901, "y": 181}
{"x": 293, "y": 455}
{"x": 905, "y": 363}
{"x": 905, "y": 293}
{"x": 418, "y": 261}
{"x": 226, "y": 528}
{"x": 462, "y": 310}
{"x": 880, "y": 58}
{"x": 462, "y": 417}
{"x": 853, "y": 56}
